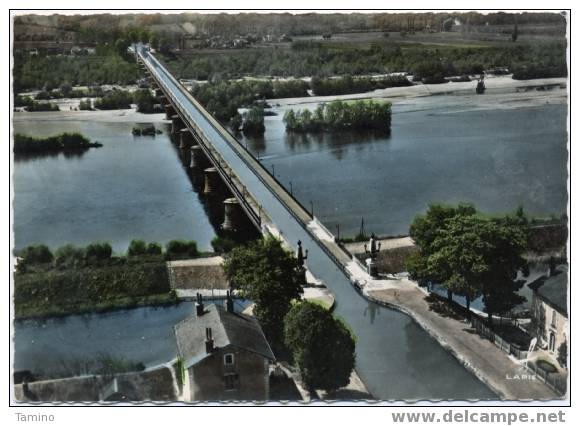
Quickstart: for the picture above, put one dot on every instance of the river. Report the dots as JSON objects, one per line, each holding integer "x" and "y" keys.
{"x": 60, "y": 346}
{"x": 438, "y": 151}
{"x": 515, "y": 156}
{"x": 132, "y": 187}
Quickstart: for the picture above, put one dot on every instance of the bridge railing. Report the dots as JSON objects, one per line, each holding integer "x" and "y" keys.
{"x": 231, "y": 140}
{"x": 254, "y": 216}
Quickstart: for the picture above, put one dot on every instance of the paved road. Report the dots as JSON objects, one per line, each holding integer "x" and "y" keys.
{"x": 497, "y": 369}
{"x": 391, "y": 348}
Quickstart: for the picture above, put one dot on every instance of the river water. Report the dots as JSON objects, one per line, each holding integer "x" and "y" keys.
{"x": 439, "y": 151}
{"x": 132, "y": 187}
{"x": 496, "y": 159}
{"x": 66, "y": 345}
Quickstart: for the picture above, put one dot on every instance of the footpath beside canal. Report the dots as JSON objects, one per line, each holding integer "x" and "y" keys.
{"x": 503, "y": 374}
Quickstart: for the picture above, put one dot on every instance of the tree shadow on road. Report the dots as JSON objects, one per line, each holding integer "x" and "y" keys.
{"x": 445, "y": 308}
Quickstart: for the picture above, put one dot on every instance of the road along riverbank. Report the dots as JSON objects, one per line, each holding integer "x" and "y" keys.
{"x": 503, "y": 374}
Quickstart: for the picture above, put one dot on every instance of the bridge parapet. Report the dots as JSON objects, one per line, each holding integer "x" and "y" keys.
{"x": 249, "y": 205}
{"x": 247, "y": 201}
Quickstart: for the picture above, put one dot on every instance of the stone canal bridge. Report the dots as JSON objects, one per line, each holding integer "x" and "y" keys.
{"x": 390, "y": 347}
{"x": 226, "y": 162}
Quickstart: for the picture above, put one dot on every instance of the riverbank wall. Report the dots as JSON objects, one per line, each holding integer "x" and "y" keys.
{"x": 499, "y": 371}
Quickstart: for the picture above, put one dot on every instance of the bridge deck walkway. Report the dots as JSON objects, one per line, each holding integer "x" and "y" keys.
{"x": 222, "y": 145}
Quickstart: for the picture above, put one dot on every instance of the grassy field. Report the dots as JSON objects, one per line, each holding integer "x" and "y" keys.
{"x": 51, "y": 292}
{"x": 478, "y": 36}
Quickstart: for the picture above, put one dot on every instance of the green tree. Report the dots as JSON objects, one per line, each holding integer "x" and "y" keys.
{"x": 423, "y": 230}
{"x": 181, "y": 249}
{"x": 154, "y": 41}
{"x": 144, "y": 100}
{"x": 430, "y": 71}
{"x": 86, "y": 105}
{"x": 23, "y": 101}
{"x": 133, "y": 35}
{"x": 98, "y": 251}
{"x": 459, "y": 258}
{"x": 508, "y": 243}
{"x": 290, "y": 119}
{"x": 117, "y": 99}
{"x": 36, "y": 254}
{"x": 470, "y": 255}
{"x": 223, "y": 244}
{"x": 267, "y": 274}
{"x": 137, "y": 248}
{"x": 66, "y": 89}
{"x": 121, "y": 46}
{"x": 154, "y": 248}
{"x": 322, "y": 347}
{"x": 69, "y": 256}
{"x": 253, "y": 121}
{"x": 236, "y": 122}
{"x": 338, "y": 115}
{"x": 164, "y": 45}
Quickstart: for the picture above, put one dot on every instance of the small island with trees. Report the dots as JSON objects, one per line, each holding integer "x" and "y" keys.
{"x": 338, "y": 115}
{"x": 65, "y": 142}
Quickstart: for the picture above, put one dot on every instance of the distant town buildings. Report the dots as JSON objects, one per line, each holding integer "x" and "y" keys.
{"x": 225, "y": 355}
{"x": 58, "y": 49}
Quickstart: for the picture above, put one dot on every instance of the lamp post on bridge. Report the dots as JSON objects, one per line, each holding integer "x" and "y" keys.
{"x": 291, "y": 192}
{"x": 300, "y": 258}
{"x": 373, "y": 250}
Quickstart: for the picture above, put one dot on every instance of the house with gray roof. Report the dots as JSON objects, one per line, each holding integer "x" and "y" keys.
{"x": 550, "y": 309}
{"x": 225, "y": 355}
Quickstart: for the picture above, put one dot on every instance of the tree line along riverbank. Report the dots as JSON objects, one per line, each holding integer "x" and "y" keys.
{"x": 76, "y": 280}
{"x": 325, "y": 59}
{"x": 103, "y": 100}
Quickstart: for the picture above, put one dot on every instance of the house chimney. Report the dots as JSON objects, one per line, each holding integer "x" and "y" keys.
{"x": 208, "y": 341}
{"x": 199, "y": 305}
{"x": 229, "y": 302}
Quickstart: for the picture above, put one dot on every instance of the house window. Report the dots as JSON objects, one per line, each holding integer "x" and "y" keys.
{"x": 554, "y": 319}
{"x": 229, "y": 359}
{"x": 552, "y": 344}
{"x": 231, "y": 381}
